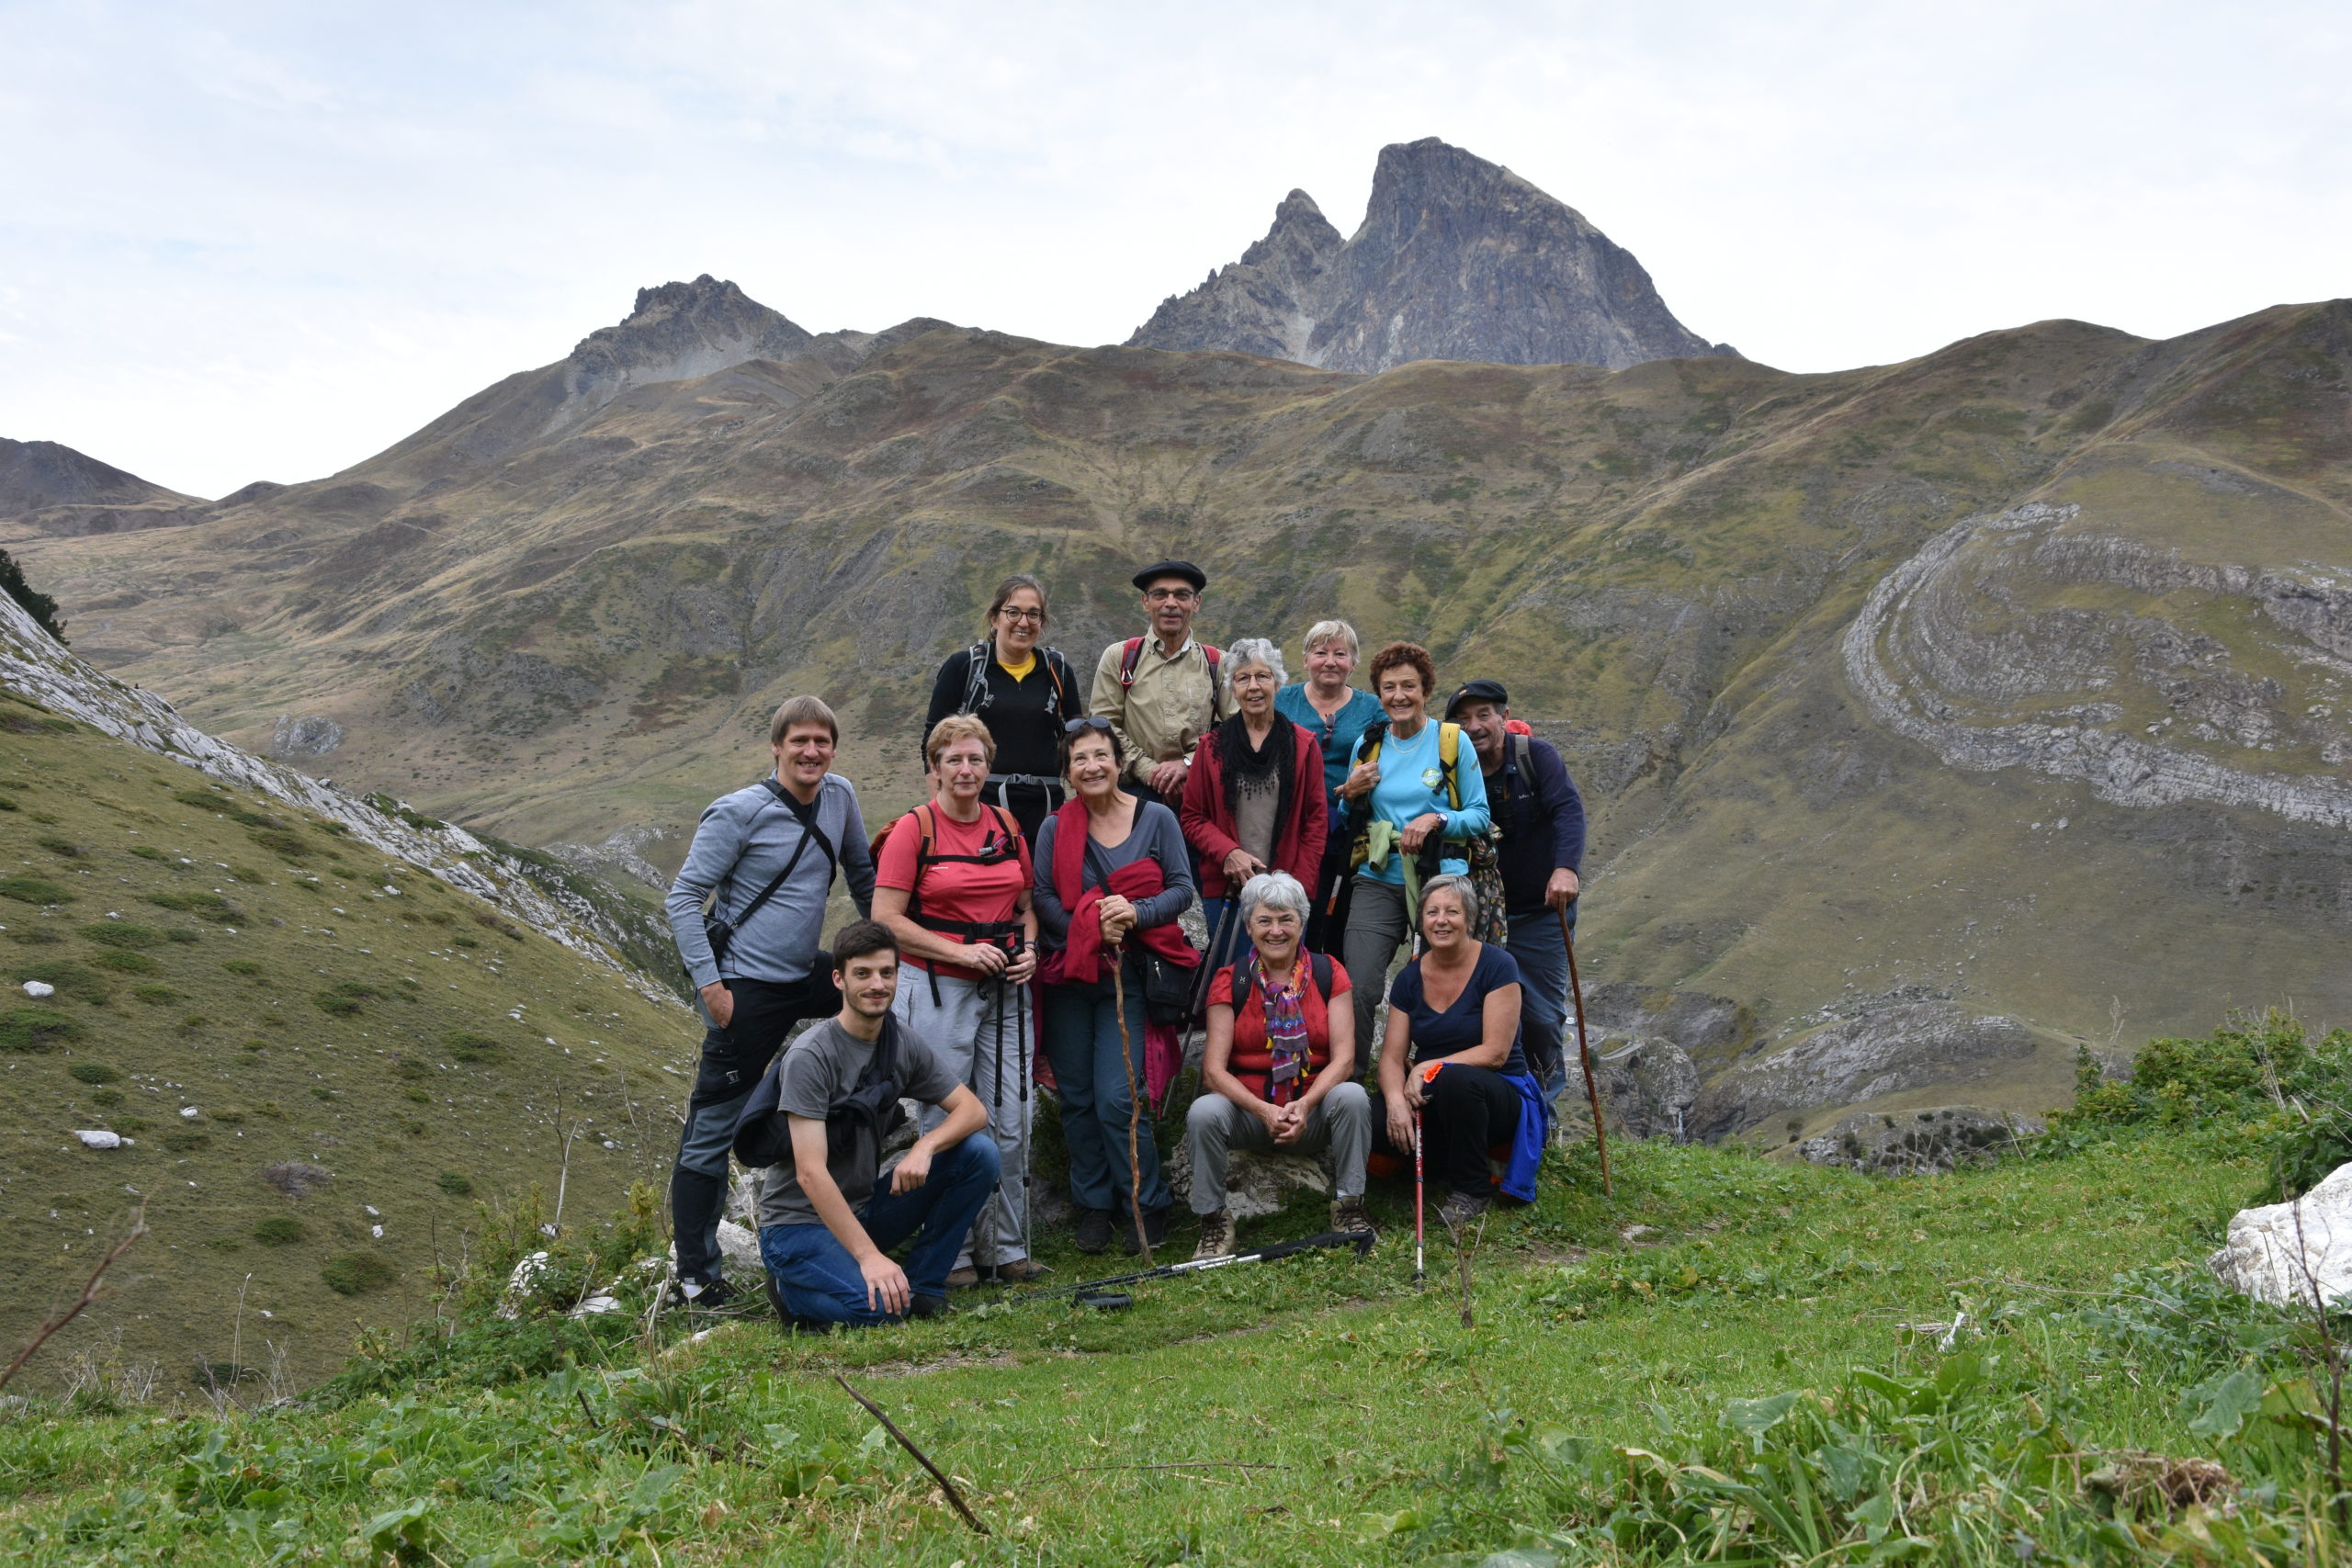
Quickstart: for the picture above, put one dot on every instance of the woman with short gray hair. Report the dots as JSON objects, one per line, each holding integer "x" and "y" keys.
{"x": 1251, "y": 803}
{"x": 1277, "y": 1068}
{"x": 1335, "y": 713}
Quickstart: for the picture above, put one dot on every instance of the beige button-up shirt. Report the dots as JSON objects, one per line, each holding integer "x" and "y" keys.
{"x": 1172, "y": 704}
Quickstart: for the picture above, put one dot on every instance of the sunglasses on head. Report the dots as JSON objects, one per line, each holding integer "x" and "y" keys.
{"x": 1080, "y": 725}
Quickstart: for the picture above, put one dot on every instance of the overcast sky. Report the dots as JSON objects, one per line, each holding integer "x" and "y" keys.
{"x": 248, "y": 242}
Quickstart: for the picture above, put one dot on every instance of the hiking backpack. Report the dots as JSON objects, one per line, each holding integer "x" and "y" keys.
{"x": 1131, "y": 655}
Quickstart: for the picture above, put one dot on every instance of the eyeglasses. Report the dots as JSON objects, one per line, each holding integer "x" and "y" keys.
{"x": 1010, "y": 613}
{"x": 1080, "y": 725}
{"x": 1169, "y": 597}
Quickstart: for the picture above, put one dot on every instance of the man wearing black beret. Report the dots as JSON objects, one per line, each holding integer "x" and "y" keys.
{"x": 1161, "y": 692}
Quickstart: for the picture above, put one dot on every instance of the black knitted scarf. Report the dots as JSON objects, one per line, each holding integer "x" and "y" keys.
{"x": 1278, "y": 759}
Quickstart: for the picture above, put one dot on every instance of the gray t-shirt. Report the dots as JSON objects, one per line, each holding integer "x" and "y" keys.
{"x": 818, "y": 1070}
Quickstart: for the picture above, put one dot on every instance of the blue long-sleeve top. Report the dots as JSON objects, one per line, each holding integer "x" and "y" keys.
{"x": 743, "y": 839}
{"x": 1337, "y": 737}
{"x": 1412, "y": 785}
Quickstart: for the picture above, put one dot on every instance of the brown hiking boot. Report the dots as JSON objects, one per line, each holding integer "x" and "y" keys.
{"x": 1349, "y": 1218}
{"x": 1216, "y": 1235}
{"x": 1460, "y": 1208}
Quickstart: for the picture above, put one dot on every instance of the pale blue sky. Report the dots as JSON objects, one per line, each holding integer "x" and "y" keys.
{"x": 264, "y": 241}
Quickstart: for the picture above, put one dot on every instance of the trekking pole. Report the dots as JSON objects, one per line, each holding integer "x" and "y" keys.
{"x": 1417, "y": 1189}
{"x": 1267, "y": 1254}
{"x": 1135, "y": 1100}
{"x": 1021, "y": 1066}
{"x": 1584, "y": 1050}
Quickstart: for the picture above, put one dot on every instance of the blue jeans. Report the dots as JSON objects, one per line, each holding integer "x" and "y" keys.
{"x": 1533, "y": 942}
{"x": 1082, "y": 1043}
{"x": 817, "y": 1277}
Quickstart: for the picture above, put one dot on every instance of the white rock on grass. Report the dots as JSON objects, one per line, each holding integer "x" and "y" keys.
{"x": 522, "y": 1284}
{"x": 98, "y": 1138}
{"x": 40, "y": 989}
{"x": 2266, "y": 1258}
{"x": 738, "y": 1251}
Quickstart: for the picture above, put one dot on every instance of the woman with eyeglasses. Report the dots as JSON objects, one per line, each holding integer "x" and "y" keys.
{"x": 1112, "y": 877}
{"x": 1253, "y": 802}
{"x": 1024, "y": 693}
{"x": 952, "y": 882}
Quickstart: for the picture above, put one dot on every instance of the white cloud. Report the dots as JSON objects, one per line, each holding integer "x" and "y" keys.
{"x": 266, "y": 240}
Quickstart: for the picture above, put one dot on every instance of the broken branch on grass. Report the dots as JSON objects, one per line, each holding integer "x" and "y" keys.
{"x": 922, "y": 1458}
{"x": 89, "y": 1293}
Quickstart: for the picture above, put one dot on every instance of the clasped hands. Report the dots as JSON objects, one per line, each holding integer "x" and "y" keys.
{"x": 1118, "y": 918}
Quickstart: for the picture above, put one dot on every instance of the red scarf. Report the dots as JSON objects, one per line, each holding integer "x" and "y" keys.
{"x": 1083, "y": 956}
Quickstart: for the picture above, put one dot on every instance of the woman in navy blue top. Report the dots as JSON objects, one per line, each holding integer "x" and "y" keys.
{"x": 1452, "y": 1051}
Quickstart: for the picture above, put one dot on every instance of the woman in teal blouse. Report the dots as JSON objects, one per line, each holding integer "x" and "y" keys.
{"x": 1335, "y": 713}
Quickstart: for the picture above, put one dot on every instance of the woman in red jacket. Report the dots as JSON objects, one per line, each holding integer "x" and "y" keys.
{"x": 1253, "y": 800}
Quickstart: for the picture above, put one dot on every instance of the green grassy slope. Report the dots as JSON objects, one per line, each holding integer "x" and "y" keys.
{"x": 217, "y": 951}
{"x": 1320, "y": 1411}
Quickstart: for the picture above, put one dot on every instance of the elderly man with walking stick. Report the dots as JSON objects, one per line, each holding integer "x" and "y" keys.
{"x": 1540, "y": 818}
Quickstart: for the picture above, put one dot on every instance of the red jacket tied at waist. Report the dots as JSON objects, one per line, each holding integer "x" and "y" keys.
{"x": 1084, "y": 957}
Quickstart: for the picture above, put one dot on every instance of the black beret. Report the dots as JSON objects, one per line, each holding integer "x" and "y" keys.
{"x": 1183, "y": 569}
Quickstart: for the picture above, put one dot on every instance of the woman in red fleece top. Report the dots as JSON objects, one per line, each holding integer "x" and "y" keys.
{"x": 1252, "y": 803}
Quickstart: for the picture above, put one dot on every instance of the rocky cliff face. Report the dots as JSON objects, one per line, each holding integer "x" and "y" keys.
{"x": 1457, "y": 259}
{"x": 56, "y": 490}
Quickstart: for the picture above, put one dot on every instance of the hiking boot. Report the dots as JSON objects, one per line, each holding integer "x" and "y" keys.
{"x": 1348, "y": 1218}
{"x": 1460, "y": 1208}
{"x": 1093, "y": 1229}
{"x": 922, "y": 1305}
{"x": 1216, "y": 1235}
{"x": 963, "y": 1279}
{"x": 1020, "y": 1271}
{"x": 702, "y": 1295}
{"x": 1155, "y": 1230}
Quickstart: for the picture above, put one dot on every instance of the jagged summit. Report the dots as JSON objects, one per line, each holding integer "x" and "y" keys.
{"x": 1457, "y": 258}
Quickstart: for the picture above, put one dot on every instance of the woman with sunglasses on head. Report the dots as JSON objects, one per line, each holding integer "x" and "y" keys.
{"x": 1024, "y": 693}
{"x": 952, "y": 883}
{"x": 1112, "y": 877}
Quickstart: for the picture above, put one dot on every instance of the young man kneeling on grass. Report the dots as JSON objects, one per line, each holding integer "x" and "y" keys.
{"x": 825, "y": 1229}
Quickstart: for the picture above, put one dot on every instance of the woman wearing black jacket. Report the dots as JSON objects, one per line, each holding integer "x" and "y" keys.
{"x": 1024, "y": 693}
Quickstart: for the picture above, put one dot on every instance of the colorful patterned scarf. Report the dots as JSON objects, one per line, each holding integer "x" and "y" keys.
{"x": 1285, "y": 1029}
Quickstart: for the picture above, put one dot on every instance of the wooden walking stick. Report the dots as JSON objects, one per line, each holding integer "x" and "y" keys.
{"x": 1584, "y": 1050}
{"x": 1134, "y": 1100}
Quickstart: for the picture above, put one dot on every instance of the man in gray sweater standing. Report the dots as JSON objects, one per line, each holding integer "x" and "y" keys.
{"x": 762, "y": 860}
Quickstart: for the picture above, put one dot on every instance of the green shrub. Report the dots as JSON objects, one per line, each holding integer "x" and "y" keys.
{"x": 148, "y": 852}
{"x": 419, "y": 1096}
{"x": 92, "y": 1072}
{"x": 122, "y": 933}
{"x": 290, "y": 846}
{"x": 183, "y": 1143}
{"x": 193, "y": 1023}
{"x": 8, "y": 804}
{"x": 181, "y": 936}
{"x": 71, "y": 980}
{"x": 106, "y": 1097}
{"x": 58, "y": 846}
{"x": 202, "y": 799}
{"x": 35, "y": 938}
{"x": 350, "y": 1273}
{"x": 244, "y": 966}
{"x": 124, "y": 961}
{"x": 33, "y": 890}
{"x": 455, "y": 1184}
{"x": 279, "y": 1230}
{"x": 155, "y": 996}
{"x": 246, "y": 873}
{"x": 410, "y": 1067}
{"x": 335, "y": 1003}
{"x": 467, "y": 1046}
{"x": 2261, "y": 1086}
{"x": 36, "y": 1030}
{"x": 204, "y": 906}
{"x": 463, "y": 942}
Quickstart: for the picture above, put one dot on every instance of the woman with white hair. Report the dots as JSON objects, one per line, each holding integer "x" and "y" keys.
{"x": 1253, "y": 801}
{"x": 1335, "y": 713}
{"x": 1451, "y": 1058}
{"x": 1278, "y": 1065}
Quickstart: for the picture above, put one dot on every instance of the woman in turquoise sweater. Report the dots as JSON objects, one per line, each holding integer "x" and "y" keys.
{"x": 1336, "y": 714}
{"x": 1416, "y": 793}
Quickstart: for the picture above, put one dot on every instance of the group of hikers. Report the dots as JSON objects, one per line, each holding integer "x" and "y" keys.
{"x": 1038, "y": 894}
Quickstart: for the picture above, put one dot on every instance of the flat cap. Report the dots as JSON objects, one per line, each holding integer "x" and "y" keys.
{"x": 1183, "y": 569}
{"x": 1478, "y": 692}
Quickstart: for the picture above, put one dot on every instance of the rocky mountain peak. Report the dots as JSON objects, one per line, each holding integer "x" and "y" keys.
{"x": 1457, "y": 258}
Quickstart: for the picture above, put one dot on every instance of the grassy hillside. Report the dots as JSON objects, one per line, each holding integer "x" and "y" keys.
{"x": 241, "y": 988}
{"x": 1733, "y": 1360}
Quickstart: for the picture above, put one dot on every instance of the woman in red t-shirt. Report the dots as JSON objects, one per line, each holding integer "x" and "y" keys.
{"x": 952, "y": 883}
{"x": 1279, "y": 1069}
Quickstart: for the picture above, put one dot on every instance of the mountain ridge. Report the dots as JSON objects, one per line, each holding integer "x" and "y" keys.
{"x": 1457, "y": 258}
